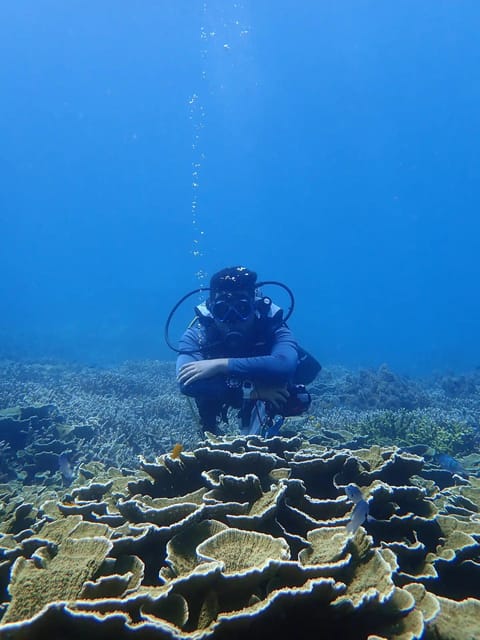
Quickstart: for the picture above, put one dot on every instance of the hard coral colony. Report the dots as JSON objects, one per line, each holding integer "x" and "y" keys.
{"x": 244, "y": 535}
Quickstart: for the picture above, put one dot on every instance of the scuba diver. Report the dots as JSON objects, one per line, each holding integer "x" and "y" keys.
{"x": 239, "y": 353}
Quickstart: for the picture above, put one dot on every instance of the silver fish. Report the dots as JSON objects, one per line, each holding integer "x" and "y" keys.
{"x": 359, "y": 515}
{"x": 353, "y": 493}
{"x": 65, "y": 467}
{"x": 360, "y": 510}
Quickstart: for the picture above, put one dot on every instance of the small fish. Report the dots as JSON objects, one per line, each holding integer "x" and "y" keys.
{"x": 449, "y": 464}
{"x": 353, "y": 493}
{"x": 422, "y": 450}
{"x": 65, "y": 467}
{"x": 359, "y": 515}
{"x": 360, "y": 510}
{"x": 176, "y": 450}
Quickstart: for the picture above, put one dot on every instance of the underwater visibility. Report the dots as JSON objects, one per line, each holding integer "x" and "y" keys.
{"x": 239, "y": 355}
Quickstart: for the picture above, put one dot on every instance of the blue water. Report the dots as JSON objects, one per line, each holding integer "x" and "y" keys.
{"x": 335, "y": 146}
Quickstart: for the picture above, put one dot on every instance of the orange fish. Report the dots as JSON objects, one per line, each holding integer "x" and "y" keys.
{"x": 176, "y": 451}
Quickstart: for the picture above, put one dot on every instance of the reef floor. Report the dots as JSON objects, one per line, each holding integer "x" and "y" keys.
{"x": 118, "y": 518}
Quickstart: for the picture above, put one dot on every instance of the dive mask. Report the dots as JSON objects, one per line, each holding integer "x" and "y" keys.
{"x": 229, "y": 308}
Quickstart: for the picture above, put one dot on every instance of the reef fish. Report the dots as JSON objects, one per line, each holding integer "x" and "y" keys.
{"x": 450, "y": 464}
{"x": 176, "y": 450}
{"x": 360, "y": 510}
{"x": 65, "y": 467}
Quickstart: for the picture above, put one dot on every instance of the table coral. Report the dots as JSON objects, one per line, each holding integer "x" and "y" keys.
{"x": 244, "y": 535}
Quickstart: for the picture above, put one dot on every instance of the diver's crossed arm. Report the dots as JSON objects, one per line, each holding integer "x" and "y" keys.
{"x": 200, "y": 376}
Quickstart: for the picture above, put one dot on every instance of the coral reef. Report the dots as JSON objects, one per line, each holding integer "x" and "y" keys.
{"x": 107, "y": 415}
{"x": 378, "y": 406}
{"x": 431, "y": 429}
{"x": 114, "y": 415}
{"x": 368, "y": 389}
{"x": 236, "y": 535}
{"x": 244, "y": 536}
{"x": 409, "y": 428}
{"x": 459, "y": 386}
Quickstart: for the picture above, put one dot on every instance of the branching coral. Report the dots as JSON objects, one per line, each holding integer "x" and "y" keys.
{"x": 407, "y": 428}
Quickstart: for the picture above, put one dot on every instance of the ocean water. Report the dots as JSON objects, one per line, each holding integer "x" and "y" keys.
{"x": 329, "y": 145}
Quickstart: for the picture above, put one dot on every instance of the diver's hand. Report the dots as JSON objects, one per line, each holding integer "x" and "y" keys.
{"x": 201, "y": 369}
{"x": 277, "y": 396}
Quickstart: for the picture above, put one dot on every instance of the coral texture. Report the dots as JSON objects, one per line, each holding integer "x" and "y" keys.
{"x": 245, "y": 536}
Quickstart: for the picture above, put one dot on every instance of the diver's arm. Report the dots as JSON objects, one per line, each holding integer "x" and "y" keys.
{"x": 190, "y": 345}
{"x": 202, "y": 369}
{"x": 278, "y": 367}
{"x": 208, "y": 378}
{"x": 213, "y": 386}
